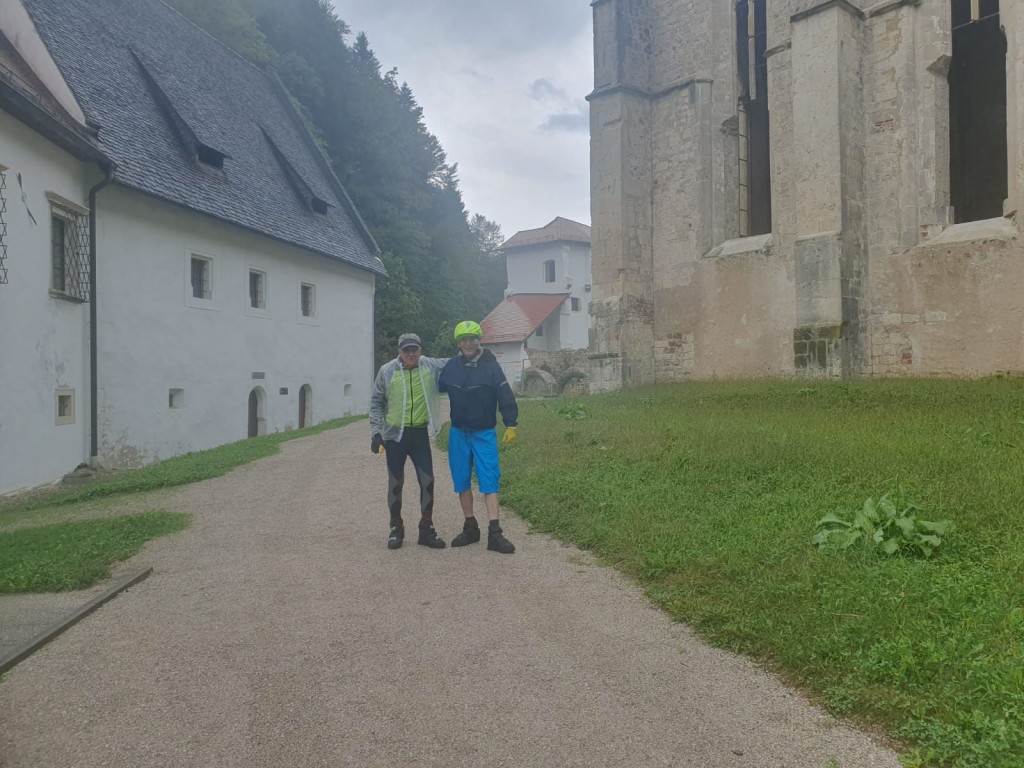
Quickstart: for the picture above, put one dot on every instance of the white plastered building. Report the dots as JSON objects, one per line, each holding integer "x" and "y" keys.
{"x": 179, "y": 268}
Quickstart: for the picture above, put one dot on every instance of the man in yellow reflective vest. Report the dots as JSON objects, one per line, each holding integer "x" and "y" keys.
{"x": 404, "y": 415}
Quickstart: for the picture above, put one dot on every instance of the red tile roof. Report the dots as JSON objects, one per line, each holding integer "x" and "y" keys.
{"x": 558, "y": 231}
{"x": 520, "y": 315}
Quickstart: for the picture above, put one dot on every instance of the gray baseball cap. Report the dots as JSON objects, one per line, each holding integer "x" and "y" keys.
{"x": 409, "y": 340}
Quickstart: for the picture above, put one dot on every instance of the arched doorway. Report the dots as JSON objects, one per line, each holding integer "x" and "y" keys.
{"x": 257, "y": 422}
{"x": 305, "y": 406}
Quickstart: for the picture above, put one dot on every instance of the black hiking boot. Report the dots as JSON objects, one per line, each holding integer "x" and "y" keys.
{"x": 498, "y": 543}
{"x": 396, "y": 536}
{"x": 428, "y": 537}
{"x": 470, "y": 535}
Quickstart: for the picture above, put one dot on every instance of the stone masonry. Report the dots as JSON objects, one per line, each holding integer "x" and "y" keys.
{"x": 867, "y": 269}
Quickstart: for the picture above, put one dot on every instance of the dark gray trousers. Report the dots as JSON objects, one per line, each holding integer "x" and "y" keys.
{"x": 415, "y": 444}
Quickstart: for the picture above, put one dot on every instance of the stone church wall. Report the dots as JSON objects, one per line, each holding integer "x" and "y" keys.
{"x": 863, "y": 272}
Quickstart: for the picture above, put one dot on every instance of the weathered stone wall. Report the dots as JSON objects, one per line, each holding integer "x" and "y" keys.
{"x": 863, "y": 273}
{"x": 621, "y": 340}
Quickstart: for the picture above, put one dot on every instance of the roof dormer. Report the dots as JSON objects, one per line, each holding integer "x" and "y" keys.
{"x": 200, "y": 151}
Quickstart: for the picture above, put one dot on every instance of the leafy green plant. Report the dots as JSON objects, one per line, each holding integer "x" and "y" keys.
{"x": 574, "y": 411}
{"x": 889, "y": 524}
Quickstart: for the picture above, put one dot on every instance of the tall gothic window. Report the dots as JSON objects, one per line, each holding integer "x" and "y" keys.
{"x": 977, "y": 112}
{"x": 755, "y": 146}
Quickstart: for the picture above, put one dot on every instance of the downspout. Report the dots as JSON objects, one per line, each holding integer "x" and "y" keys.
{"x": 94, "y": 420}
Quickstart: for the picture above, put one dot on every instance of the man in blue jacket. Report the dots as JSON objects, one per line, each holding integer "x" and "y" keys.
{"x": 477, "y": 389}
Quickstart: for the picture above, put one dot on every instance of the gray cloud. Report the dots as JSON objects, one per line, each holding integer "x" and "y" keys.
{"x": 489, "y": 24}
{"x": 544, "y": 90}
{"x": 572, "y": 122}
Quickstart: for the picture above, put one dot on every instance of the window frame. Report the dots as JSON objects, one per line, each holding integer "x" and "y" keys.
{"x": 261, "y": 306}
{"x": 200, "y": 302}
{"x": 205, "y": 286}
{"x": 73, "y": 269}
{"x": 68, "y": 417}
{"x": 311, "y": 317}
{"x": 549, "y": 271}
{"x": 3, "y": 225}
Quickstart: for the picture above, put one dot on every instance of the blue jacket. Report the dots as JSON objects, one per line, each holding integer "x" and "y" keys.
{"x": 476, "y": 390}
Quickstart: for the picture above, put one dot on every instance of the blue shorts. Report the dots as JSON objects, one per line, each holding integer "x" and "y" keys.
{"x": 474, "y": 450}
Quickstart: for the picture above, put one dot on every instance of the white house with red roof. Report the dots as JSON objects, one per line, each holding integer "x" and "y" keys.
{"x": 547, "y": 303}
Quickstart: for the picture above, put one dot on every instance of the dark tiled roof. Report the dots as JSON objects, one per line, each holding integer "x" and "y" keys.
{"x": 181, "y": 85}
{"x": 520, "y": 315}
{"x": 558, "y": 231}
{"x": 25, "y": 97}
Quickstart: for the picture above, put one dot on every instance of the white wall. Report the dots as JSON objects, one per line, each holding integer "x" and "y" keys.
{"x": 155, "y": 337}
{"x": 44, "y": 340}
{"x": 513, "y": 360}
{"x": 525, "y": 267}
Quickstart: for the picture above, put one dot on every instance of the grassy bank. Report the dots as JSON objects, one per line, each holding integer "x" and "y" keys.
{"x": 78, "y": 552}
{"x": 709, "y": 494}
{"x": 66, "y": 556}
{"x": 179, "y": 470}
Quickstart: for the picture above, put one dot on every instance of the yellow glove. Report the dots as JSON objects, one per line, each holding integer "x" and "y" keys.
{"x": 510, "y": 435}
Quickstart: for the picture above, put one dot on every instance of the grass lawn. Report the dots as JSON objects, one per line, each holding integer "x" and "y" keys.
{"x": 75, "y": 554}
{"x": 709, "y": 493}
{"x": 65, "y": 556}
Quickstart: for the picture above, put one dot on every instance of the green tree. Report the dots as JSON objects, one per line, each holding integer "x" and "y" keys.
{"x": 231, "y": 23}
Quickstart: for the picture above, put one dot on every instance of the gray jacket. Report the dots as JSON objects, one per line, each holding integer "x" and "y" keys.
{"x": 390, "y": 398}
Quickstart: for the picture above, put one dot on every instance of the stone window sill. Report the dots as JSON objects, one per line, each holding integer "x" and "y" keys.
{"x": 999, "y": 228}
{"x": 741, "y": 245}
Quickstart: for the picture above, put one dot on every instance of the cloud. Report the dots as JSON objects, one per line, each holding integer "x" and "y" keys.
{"x": 544, "y": 90}
{"x": 497, "y": 27}
{"x": 502, "y": 87}
{"x": 573, "y": 122}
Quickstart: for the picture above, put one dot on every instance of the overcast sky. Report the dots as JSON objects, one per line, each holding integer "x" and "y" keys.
{"x": 502, "y": 86}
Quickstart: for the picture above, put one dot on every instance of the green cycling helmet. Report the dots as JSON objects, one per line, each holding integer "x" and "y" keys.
{"x": 468, "y": 328}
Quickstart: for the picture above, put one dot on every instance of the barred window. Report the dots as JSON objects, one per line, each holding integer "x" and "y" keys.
{"x": 308, "y": 300}
{"x": 202, "y": 283}
{"x": 3, "y": 224}
{"x": 257, "y": 289}
{"x": 69, "y": 252}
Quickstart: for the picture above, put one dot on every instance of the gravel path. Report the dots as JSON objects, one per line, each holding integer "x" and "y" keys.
{"x": 279, "y": 631}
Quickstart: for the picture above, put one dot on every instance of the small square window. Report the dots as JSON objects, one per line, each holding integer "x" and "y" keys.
{"x": 575, "y": 304}
{"x": 202, "y": 278}
{"x": 257, "y": 289}
{"x": 549, "y": 271}
{"x": 65, "y": 406}
{"x": 540, "y": 331}
{"x": 307, "y": 297}
{"x": 176, "y": 398}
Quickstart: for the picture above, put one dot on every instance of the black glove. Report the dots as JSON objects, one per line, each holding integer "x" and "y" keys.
{"x": 376, "y": 443}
